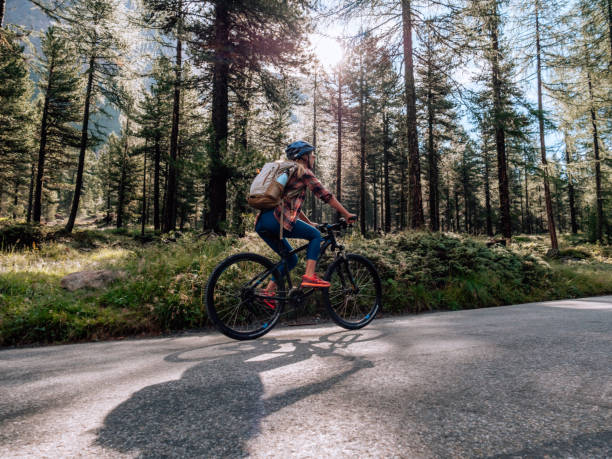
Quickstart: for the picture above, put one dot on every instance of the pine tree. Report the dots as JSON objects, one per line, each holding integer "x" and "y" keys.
{"x": 417, "y": 219}
{"x": 125, "y": 176}
{"x": 191, "y": 149}
{"x": 92, "y": 26}
{"x": 439, "y": 117}
{"x": 231, "y": 31}
{"x": 485, "y": 17}
{"x": 549, "y": 211}
{"x": 103, "y": 171}
{"x": 570, "y": 182}
{"x": 154, "y": 120}
{"x": 500, "y": 141}
{"x": 59, "y": 86}
{"x": 336, "y": 89}
{"x": 170, "y": 17}
{"x": 119, "y": 163}
{"x": 359, "y": 76}
{"x": 16, "y": 117}
{"x": 581, "y": 86}
{"x": 535, "y": 18}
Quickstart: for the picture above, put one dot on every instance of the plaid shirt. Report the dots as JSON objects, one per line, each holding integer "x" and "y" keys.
{"x": 291, "y": 206}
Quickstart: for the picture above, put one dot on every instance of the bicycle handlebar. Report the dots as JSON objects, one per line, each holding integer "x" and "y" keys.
{"x": 341, "y": 224}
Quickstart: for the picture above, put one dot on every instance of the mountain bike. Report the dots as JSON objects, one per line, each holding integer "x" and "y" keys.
{"x": 240, "y": 309}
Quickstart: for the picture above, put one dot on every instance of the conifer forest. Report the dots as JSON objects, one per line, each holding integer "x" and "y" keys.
{"x": 486, "y": 117}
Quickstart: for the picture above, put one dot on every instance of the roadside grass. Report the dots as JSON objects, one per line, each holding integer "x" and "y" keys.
{"x": 164, "y": 287}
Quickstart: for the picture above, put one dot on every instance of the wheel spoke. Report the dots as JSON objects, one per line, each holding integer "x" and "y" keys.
{"x": 233, "y": 303}
{"x": 348, "y": 308}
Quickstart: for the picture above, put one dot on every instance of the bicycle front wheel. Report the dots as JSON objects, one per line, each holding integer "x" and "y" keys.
{"x": 234, "y": 299}
{"x": 355, "y": 295}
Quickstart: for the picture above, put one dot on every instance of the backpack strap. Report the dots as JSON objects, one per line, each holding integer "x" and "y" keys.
{"x": 294, "y": 193}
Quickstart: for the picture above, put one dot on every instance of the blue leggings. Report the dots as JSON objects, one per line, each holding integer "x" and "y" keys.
{"x": 267, "y": 226}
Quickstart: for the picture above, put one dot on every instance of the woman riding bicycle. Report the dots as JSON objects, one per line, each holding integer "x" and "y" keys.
{"x": 295, "y": 223}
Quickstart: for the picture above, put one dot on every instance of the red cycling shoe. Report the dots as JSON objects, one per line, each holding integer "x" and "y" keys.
{"x": 314, "y": 282}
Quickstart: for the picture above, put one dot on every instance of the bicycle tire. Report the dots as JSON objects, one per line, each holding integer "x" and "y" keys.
{"x": 231, "y": 303}
{"x": 349, "y": 310}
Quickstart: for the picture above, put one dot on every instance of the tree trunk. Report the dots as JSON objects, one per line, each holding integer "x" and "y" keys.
{"x": 42, "y": 149}
{"x": 527, "y": 208}
{"x": 143, "y": 218}
{"x": 466, "y": 223}
{"x": 457, "y": 211}
{"x": 382, "y": 200}
{"x": 165, "y": 188}
{"x": 169, "y": 223}
{"x": 554, "y": 245}
{"x": 387, "y": 190}
{"x": 16, "y": 198}
{"x": 339, "y": 150}
{"x": 465, "y": 185}
{"x": 183, "y": 218}
{"x": 362, "y": 151}
{"x": 417, "y": 219}
{"x": 124, "y": 162}
{"x": 598, "y": 193}
{"x": 500, "y": 141}
{"x": 2, "y": 9}
{"x": 570, "y": 187}
{"x": 108, "y": 192}
{"x": 31, "y": 192}
{"x": 239, "y": 203}
{"x": 541, "y": 207}
{"x": 375, "y": 200}
{"x": 403, "y": 213}
{"x": 434, "y": 217}
{"x": 84, "y": 140}
{"x": 487, "y": 187}
{"x": 217, "y": 193}
{"x": 156, "y": 174}
{"x": 448, "y": 212}
{"x": 523, "y": 219}
{"x": 560, "y": 220}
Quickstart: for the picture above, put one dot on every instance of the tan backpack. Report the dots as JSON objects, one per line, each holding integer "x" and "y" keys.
{"x": 267, "y": 189}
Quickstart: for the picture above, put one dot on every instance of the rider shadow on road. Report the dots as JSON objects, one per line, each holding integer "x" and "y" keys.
{"x": 218, "y": 404}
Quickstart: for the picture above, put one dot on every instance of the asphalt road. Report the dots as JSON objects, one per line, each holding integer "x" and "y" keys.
{"x": 532, "y": 380}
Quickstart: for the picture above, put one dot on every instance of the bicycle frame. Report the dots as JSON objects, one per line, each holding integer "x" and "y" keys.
{"x": 329, "y": 240}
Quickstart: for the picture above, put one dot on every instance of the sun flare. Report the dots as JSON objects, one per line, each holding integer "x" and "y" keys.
{"x": 327, "y": 50}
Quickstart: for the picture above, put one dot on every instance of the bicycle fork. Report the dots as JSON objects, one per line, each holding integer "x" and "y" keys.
{"x": 352, "y": 287}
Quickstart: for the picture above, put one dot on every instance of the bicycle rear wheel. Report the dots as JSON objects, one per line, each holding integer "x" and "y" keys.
{"x": 355, "y": 295}
{"x": 234, "y": 299}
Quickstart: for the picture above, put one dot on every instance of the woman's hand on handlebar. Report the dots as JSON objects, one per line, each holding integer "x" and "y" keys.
{"x": 350, "y": 218}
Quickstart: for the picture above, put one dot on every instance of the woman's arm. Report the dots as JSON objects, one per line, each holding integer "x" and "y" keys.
{"x": 315, "y": 186}
{"x": 333, "y": 202}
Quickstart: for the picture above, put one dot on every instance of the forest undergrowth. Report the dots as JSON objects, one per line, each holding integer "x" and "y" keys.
{"x": 164, "y": 288}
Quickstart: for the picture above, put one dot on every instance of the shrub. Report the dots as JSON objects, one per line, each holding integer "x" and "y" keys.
{"x": 164, "y": 288}
{"x": 20, "y": 236}
{"x": 579, "y": 254}
{"x": 424, "y": 271}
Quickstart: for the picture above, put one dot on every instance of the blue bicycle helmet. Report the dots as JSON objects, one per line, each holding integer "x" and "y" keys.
{"x": 297, "y": 149}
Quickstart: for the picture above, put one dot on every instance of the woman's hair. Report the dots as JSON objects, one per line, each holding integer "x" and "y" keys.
{"x": 301, "y": 170}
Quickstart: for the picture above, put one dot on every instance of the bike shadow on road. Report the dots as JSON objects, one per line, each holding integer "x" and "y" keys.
{"x": 218, "y": 404}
